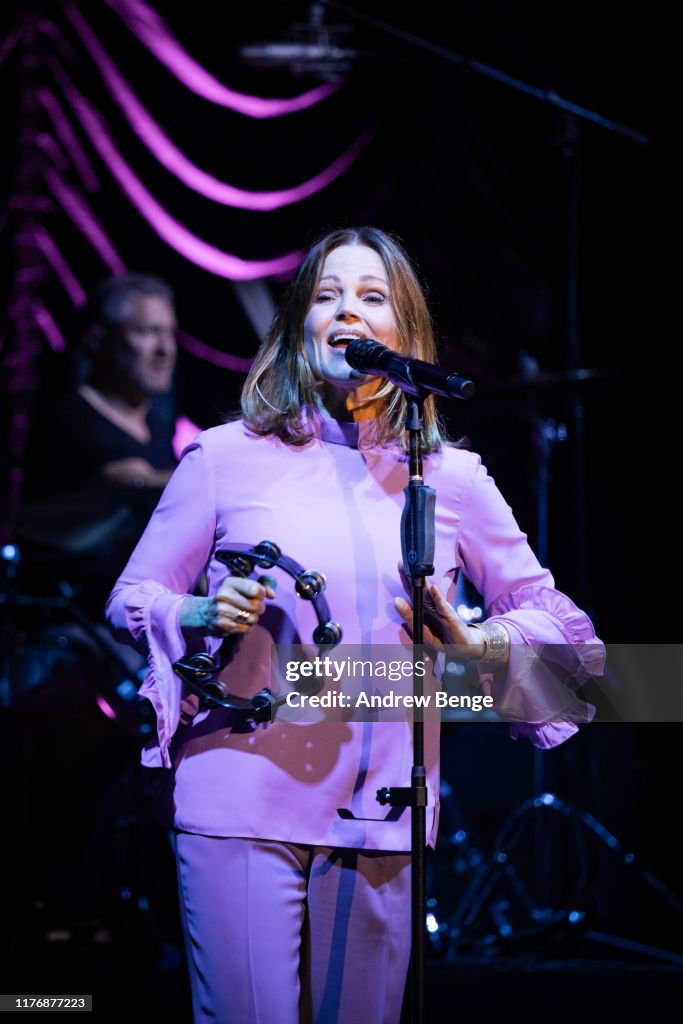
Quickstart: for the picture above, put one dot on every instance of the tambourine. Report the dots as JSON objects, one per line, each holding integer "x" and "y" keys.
{"x": 200, "y": 672}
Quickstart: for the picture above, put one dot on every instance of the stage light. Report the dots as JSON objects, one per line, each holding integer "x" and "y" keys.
{"x": 10, "y": 553}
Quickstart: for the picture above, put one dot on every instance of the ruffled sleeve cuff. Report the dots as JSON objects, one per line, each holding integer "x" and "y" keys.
{"x": 553, "y": 652}
{"x": 153, "y": 612}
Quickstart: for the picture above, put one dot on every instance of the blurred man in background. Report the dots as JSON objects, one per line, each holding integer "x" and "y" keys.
{"x": 102, "y": 452}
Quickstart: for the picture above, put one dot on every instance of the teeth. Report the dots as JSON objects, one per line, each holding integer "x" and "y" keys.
{"x": 339, "y": 339}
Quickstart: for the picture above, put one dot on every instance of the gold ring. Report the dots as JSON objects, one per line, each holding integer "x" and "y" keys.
{"x": 242, "y": 616}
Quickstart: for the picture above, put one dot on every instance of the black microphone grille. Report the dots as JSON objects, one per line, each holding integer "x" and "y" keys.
{"x": 364, "y": 353}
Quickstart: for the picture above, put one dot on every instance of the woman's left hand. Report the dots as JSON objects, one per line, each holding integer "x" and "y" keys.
{"x": 442, "y": 625}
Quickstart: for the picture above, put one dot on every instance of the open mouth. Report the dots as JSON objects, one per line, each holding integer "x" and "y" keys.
{"x": 342, "y": 340}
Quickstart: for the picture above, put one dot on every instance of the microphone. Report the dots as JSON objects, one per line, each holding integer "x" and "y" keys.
{"x": 414, "y": 376}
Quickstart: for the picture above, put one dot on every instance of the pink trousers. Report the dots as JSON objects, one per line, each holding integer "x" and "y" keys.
{"x": 283, "y": 934}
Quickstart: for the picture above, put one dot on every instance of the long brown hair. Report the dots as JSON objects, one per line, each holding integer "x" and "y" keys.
{"x": 281, "y": 384}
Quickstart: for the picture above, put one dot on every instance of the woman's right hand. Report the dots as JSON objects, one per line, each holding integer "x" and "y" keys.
{"x": 234, "y": 609}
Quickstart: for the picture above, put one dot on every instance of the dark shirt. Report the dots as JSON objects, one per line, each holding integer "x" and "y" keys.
{"x": 74, "y": 521}
{"x": 74, "y": 441}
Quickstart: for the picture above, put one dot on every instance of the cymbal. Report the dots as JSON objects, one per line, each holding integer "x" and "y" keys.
{"x": 562, "y": 378}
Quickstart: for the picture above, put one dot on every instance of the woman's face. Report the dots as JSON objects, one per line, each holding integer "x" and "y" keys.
{"x": 352, "y": 300}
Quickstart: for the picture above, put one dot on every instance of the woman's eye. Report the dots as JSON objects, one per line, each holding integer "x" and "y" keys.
{"x": 324, "y": 297}
{"x": 374, "y": 297}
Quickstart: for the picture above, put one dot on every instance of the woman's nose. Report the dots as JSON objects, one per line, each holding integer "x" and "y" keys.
{"x": 346, "y": 308}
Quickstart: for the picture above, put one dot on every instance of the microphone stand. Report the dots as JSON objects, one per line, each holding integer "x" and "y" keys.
{"x": 417, "y": 544}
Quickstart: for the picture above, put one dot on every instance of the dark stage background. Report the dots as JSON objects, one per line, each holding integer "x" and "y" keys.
{"x": 548, "y": 243}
